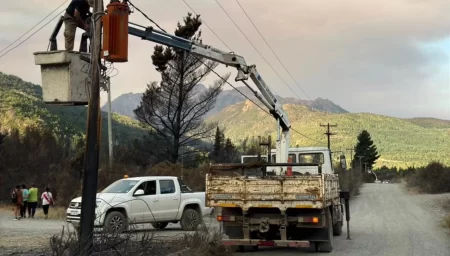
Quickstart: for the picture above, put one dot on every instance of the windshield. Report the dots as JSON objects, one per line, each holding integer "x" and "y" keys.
{"x": 311, "y": 158}
{"x": 120, "y": 186}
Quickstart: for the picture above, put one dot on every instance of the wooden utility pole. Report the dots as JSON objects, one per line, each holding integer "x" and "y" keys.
{"x": 90, "y": 175}
{"x": 329, "y": 133}
{"x": 351, "y": 156}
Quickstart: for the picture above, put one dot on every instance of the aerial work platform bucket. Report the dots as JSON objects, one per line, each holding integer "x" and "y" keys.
{"x": 64, "y": 77}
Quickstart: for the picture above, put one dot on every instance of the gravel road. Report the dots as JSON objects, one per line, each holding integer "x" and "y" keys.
{"x": 386, "y": 220}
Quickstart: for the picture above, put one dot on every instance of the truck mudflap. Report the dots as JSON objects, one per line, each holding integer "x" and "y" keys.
{"x": 275, "y": 243}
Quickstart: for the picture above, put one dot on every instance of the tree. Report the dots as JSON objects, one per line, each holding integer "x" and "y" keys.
{"x": 219, "y": 140}
{"x": 365, "y": 148}
{"x": 175, "y": 109}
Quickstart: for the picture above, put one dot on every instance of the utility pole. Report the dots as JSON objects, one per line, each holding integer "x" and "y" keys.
{"x": 110, "y": 140}
{"x": 360, "y": 162}
{"x": 329, "y": 133}
{"x": 90, "y": 175}
{"x": 351, "y": 156}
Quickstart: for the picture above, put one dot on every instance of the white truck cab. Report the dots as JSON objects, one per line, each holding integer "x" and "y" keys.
{"x": 303, "y": 155}
{"x": 158, "y": 200}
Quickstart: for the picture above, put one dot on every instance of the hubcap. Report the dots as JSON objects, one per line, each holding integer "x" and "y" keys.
{"x": 192, "y": 218}
{"x": 116, "y": 223}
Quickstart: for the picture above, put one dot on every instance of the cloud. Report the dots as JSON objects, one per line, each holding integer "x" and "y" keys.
{"x": 364, "y": 55}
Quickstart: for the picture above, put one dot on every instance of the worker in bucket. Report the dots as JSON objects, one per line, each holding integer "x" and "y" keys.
{"x": 76, "y": 15}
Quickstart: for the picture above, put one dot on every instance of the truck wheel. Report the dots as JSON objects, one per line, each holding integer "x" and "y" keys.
{"x": 190, "y": 220}
{"x": 160, "y": 225}
{"x": 328, "y": 245}
{"x": 115, "y": 222}
{"x": 248, "y": 248}
{"x": 337, "y": 228}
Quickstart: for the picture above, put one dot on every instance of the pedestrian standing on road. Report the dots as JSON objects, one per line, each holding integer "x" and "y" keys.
{"x": 32, "y": 201}
{"x": 23, "y": 210}
{"x": 47, "y": 201}
{"x": 17, "y": 197}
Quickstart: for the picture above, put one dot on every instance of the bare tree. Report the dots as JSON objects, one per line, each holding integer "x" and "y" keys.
{"x": 175, "y": 107}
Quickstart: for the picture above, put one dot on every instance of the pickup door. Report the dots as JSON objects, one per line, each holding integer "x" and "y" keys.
{"x": 169, "y": 199}
{"x": 144, "y": 208}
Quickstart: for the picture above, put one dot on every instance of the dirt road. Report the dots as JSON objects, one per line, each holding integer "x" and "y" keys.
{"x": 385, "y": 220}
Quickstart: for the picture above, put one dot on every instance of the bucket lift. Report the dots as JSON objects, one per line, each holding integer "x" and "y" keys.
{"x": 64, "y": 74}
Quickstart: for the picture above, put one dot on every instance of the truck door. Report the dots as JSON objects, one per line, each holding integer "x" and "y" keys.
{"x": 169, "y": 200}
{"x": 145, "y": 207}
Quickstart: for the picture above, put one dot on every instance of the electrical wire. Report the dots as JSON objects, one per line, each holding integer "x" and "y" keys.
{"x": 1, "y": 56}
{"x": 267, "y": 62}
{"x": 145, "y": 15}
{"x": 259, "y": 32}
{"x": 206, "y": 24}
{"x": 34, "y": 26}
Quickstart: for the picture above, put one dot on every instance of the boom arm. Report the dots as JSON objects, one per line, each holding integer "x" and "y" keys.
{"x": 228, "y": 59}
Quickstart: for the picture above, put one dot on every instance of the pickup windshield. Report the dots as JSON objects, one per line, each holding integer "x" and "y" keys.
{"x": 120, "y": 186}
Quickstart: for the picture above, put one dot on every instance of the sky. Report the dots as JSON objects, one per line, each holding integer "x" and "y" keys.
{"x": 389, "y": 57}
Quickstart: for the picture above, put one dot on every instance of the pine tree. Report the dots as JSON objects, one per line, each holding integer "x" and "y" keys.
{"x": 219, "y": 140}
{"x": 366, "y": 149}
{"x": 175, "y": 107}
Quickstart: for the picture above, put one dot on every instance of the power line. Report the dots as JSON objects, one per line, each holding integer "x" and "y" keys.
{"x": 267, "y": 62}
{"x": 305, "y": 135}
{"x": 1, "y": 56}
{"x": 34, "y": 26}
{"x": 242, "y": 8}
{"x": 203, "y": 21}
{"x": 145, "y": 15}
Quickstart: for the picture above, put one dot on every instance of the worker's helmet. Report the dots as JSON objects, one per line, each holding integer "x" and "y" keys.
{"x": 125, "y": 176}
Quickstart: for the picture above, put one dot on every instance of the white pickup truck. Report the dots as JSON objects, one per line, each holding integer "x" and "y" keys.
{"x": 158, "y": 200}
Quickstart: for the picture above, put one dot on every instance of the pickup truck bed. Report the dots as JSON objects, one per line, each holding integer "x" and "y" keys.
{"x": 282, "y": 192}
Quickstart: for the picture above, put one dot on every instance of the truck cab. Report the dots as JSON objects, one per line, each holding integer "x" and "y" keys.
{"x": 305, "y": 155}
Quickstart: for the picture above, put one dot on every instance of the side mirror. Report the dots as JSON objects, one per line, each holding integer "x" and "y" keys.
{"x": 139, "y": 192}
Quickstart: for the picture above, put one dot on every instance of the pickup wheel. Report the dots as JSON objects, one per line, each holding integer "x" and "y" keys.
{"x": 160, "y": 225}
{"x": 190, "y": 220}
{"x": 115, "y": 222}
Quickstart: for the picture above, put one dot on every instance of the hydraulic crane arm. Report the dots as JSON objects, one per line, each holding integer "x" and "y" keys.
{"x": 228, "y": 59}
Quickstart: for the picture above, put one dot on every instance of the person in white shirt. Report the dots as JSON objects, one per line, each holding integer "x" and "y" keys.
{"x": 47, "y": 200}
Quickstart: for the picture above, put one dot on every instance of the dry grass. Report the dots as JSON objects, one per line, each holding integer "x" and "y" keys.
{"x": 200, "y": 243}
{"x": 447, "y": 221}
{"x": 54, "y": 213}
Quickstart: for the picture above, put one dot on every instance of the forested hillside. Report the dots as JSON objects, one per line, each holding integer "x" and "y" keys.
{"x": 400, "y": 142}
{"x": 22, "y": 107}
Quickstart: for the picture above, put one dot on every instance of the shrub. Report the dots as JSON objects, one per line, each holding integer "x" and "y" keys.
{"x": 434, "y": 178}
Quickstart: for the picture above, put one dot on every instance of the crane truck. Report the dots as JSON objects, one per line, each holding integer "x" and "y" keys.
{"x": 264, "y": 203}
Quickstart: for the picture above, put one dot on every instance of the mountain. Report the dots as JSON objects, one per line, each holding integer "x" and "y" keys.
{"x": 400, "y": 142}
{"x": 22, "y": 106}
{"x": 126, "y": 103}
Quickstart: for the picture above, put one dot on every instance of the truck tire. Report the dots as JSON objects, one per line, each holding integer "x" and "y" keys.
{"x": 159, "y": 225}
{"x": 337, "y": 228}
{"x": 328, "y": 245}
{"x": 190, "y": 220}
{"x": 115, "y": 222}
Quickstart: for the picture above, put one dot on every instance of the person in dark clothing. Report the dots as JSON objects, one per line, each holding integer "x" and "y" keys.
{"x": 76, "y": 15}
{"x": 23, "y": 210}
